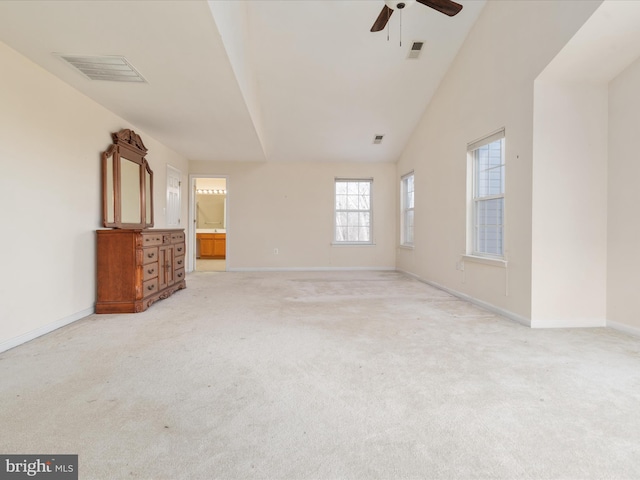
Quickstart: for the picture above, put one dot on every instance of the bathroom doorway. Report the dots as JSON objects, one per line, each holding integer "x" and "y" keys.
{"x": 209, "y": 219}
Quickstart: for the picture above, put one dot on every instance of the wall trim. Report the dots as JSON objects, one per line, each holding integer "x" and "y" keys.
{"x": 463, "y": 296}
{"x": 309, "y": 269}
{"x": 48, "y": 328}
{"x": 622, "y": 327}
{"x": 569, "y": 323}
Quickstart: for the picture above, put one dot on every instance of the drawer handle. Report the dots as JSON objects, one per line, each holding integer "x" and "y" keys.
{"x": 180, "y": 275}
{"x": 179, "y": 262}
{"x": 150, "y": 287}
{"x": 179, "y": 249}
{"x": 151, "y": 270}
{"x": 151, "y": 255}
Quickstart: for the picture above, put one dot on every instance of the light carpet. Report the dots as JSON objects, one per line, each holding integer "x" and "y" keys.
{"x": 324, "y": 375}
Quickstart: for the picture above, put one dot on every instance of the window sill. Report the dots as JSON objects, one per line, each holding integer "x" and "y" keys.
{"x": 406, "y": 247}
{"x": 352, "y": 244}
{"x": 494, "y": 262}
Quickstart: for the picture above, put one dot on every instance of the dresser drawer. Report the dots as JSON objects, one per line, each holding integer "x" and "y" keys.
{"x": 150, "y": 271}
{"x": 179, "y": 249}
{"x": 179, "y": 263}
{"x": 179, "y": 274}
{"x": 151, "y": 239}
{"x": 177, "y": 237}
{"x": 149, "y": 255}
{"x": 149, "y": 287}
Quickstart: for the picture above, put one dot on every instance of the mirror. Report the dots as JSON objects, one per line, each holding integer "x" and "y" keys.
{"x": 127, "y": 183}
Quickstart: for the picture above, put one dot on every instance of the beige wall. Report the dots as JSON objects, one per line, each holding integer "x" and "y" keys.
{"x": 289, "y": 206}
{"x": 623, "y": 307}
{"x": 51, "y": 137}
{"x": 569, "y": 248}
{"x": 489, "y": 86}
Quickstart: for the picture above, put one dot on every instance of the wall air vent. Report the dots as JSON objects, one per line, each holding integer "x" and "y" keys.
{"x": 110, "y": 68}
{"x": 378, "y": 139}
{"x": 416, "y": 48}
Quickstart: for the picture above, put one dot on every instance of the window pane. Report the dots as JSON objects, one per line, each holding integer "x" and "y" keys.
{"x": 352, "y": 233}
{"x": 352, "y": 202}
{"x": 407, "y": 205}
{"x": 409, "y": 226}
{"x": 488, "y": 226}
{"x": 489, "y": 170}
{"x": 488, "y": 197}
{"x": 363, "y": 201}
{"x": 353, "y": 211}
{"x": 363, "y": 234}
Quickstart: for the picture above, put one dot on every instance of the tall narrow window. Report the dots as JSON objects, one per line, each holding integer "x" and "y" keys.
{"x": 487, "y": 165}
{"x": 353, "y": 213}
{"x": 406, "y": 210}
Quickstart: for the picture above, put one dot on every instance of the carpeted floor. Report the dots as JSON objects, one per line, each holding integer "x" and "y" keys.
{"x": 324, "y": 375}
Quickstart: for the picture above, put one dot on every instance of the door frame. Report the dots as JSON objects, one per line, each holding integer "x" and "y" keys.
{"x": 191, "y": 260}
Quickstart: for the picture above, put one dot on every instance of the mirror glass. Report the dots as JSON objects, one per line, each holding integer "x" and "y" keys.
{"x": 130, "y": 191}
{"x": 127, "y": 183}
{"x": 109, "y": 197}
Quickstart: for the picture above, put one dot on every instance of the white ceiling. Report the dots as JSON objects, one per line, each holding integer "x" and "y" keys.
{"x": 290, "y": 80}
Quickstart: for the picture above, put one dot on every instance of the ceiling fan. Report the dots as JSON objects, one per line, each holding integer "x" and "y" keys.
{"x": 448, "y": 7}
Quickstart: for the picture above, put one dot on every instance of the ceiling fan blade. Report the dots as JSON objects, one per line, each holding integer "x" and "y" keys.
{"x": 448, "y": 7}
{"x": 382, "y": 19}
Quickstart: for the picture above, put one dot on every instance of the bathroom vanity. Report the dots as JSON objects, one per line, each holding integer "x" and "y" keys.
{"x": 211, "y": 245}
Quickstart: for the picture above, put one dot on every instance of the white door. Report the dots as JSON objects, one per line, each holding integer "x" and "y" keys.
{"x": 173, "y": 196}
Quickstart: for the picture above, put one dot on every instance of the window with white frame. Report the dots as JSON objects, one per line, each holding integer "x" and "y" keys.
{"x": 353, "y": 214}
{"x": 406, "y": 209}
{"x": 486, "y": 216}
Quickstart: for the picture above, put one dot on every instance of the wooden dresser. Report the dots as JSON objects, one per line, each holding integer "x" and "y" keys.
{"x": 138, "y": 267}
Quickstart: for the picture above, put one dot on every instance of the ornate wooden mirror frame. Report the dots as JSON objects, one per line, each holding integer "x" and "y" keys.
{"x": 127, "y": 183}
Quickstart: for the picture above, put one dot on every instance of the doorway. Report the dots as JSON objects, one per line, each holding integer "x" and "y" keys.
{"x": 209, "y": 219}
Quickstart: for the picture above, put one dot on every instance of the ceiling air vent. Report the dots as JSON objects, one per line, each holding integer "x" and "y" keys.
{"x": 378, "y": 139}
{"x": 416, "y": 48}
{"x": 110, "y": 68}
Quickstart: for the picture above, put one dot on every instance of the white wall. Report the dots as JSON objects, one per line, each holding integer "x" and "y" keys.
{"x": 289, "y": 206}
{"x": 623, "y": 278}
{"x": 489, "y": 86}
{"x": 569, "y": 248}
{"x": 51, "y": 137}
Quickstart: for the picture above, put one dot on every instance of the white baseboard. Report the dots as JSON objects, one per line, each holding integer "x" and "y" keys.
{"x": 487, "y": 306}
{"x": 50, "y": 327}
{"x": 635, "y": 331}
{"x": 310, "y": 269}
{"x": 570, "y": 323}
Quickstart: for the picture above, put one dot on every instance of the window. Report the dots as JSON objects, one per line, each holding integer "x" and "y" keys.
{"x": 406, "y": 210}
{"x": 353, "y": 211}
{"x": 486, "y": 158}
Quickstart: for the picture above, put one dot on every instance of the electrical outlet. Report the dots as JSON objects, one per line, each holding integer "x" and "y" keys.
{"x": 275, "y": 251}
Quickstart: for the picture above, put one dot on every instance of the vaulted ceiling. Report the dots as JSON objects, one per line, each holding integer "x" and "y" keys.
{"x": 254, "y": 80}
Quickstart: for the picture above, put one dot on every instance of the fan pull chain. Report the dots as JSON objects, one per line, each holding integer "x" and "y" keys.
{"x": 388, "y": 26}
{"x": 400, "y": 27}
